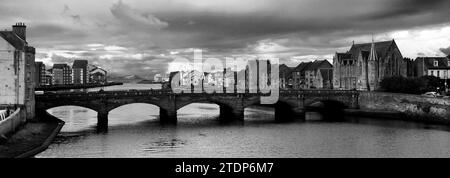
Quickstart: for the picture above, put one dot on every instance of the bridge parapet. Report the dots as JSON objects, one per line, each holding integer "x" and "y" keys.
{"x": 168, "y": 92}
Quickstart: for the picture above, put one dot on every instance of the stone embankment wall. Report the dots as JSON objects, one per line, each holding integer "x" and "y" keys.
{"x": 411, "y": 106}
{"x": 11, "y": 123}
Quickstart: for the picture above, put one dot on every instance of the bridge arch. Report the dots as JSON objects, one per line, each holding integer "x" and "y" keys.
{"x": 134, "y": 112}
{"x": 228, "y": 109}
{"x": 76, "y": 118}
{"x": 113, "y": 106}
{"x": 329, "y": 109}
{"x": 207, "y": 108}
{"x": 288, "y": 110}
{"x": 47, "y": 106}
{"x": 181, "y": 105}
{"x": 329, "y": 103}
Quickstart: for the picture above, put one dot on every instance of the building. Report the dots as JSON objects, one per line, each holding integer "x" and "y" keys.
{"x": 62, "y": 74}
{"x": 409, "y": 63}
{"x": 319, "y": 75}
{"x": 97, "y": 75}
{"x": 432, "y": 66}
{"x": 286, "y": 80}
{"x": 165, "y": 77}
{"x": 298, "y": 76}
{"x": 80, "y": 72}
{"x": 157, "y": 78}
{"x": 17, "y": 69}
{"x": 39, "y": 67}
{"x": 89, "y": 69}
{"x": 246, "y": 80}
{"x": 188, "y": 80}
{"x": 364, "y": 66}
{"x": 48, "y": 78}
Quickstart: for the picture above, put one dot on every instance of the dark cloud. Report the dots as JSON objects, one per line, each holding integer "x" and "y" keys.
{"x": 401, "y": 8}
{"x": 48, "y": 33}
{"x": 296, "y": 27}
{"x": 445, "y": 50}
{"x": 133, "y": 17}
{"x": 332, "y": 20}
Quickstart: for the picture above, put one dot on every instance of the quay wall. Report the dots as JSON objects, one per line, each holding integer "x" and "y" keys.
{"x": 11, "y": 123}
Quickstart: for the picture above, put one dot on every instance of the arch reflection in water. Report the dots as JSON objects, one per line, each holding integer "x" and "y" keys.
{"x": 76, "y": 118}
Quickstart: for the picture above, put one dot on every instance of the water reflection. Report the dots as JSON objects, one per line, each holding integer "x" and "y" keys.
{"x": 135, "y": 131}
{"x": 163, "y": 145}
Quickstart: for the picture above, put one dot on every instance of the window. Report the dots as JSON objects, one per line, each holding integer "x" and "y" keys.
{"x": 436, "y": 63}
{"x": 432, "y": 73}
{"x": 438, "y": 72}
{"x": 448, "y": 63}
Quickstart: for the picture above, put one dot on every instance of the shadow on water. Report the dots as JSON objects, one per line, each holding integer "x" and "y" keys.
{"x": 395, "y": 123}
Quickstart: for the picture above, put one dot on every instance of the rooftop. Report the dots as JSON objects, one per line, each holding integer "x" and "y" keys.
{"x": 381, "y": 49}
{"x": 13, "y": 39}
{"x": 60, "y": 66}
{"x": 443, "y": 62}
{"x": 80, "y": 64}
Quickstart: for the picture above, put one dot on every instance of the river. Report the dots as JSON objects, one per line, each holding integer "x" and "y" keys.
{"x": 134, "y": 131}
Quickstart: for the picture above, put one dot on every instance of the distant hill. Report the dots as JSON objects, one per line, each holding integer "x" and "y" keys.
{"x": 145, "y": 82}
{"x": 149, "y": 82}
{"x": 125, "y": 78}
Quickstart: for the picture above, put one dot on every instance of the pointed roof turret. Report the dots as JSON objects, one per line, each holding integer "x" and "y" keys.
{"x": 373, "y": 52}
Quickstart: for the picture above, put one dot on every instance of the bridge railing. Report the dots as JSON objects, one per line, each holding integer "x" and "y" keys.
{"x": 121, "y": 93}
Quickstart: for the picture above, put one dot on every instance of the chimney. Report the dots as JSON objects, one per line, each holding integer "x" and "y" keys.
{"x": 20, "y": 30}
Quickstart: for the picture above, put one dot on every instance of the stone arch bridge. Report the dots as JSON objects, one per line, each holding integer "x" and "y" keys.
{"x": 291, "y": 103}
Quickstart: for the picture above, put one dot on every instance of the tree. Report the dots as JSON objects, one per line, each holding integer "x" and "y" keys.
{"x": 434, "y": 83}
{"x": 398, "y": 84}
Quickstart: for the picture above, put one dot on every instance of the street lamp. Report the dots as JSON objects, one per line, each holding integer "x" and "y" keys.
{"x": 445, "y": 80}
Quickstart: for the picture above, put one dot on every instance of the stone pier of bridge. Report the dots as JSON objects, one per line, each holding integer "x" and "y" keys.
{"x": 168, "y": 116}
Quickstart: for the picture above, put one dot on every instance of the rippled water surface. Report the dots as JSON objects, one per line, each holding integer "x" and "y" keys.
{"x": 134, "y": 131}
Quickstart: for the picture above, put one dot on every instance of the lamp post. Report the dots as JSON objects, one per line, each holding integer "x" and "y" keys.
{"x": 445, "y": 80}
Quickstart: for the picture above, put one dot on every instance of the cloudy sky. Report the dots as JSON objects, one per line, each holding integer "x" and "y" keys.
{"x": 142, "y": 37}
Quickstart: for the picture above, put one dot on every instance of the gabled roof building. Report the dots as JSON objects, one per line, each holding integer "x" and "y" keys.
{"x": 365, "y": 65}
{"x": 432, "y": 66}
{"x": 17, "y": 80}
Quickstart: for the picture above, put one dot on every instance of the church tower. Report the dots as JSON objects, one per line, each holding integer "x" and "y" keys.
{"x": 372, "y": 68}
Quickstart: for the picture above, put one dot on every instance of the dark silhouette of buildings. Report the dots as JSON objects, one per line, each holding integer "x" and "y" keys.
{"x": 39, "y": 68}
{"x": 62, "y": 74}
{"x": 79, "y": 72}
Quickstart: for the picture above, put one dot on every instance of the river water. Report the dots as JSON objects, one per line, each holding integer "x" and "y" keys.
{"x": 134, "y": 131}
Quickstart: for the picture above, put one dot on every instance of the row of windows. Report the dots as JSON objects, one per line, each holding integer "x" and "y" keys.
{"x": 445, "y": 74}
{"x": 436, "y": 63}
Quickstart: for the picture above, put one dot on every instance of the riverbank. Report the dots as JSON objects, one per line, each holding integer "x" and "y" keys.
{"x": 32, "y": 138}
{"x": 403, "y": 107}
{"x": 395, "y": 115}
